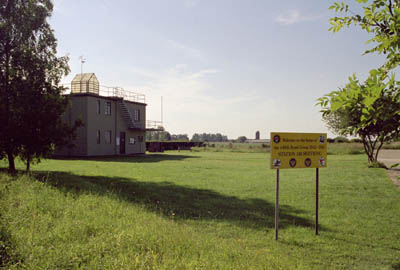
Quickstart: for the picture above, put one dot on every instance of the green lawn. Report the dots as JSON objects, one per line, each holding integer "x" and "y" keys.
{"x": 197, "y": 210}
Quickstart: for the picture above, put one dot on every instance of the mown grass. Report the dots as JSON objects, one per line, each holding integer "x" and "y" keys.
{"x": 197, "y": 210}
{"x": 333, "y": 148}
{"x": 345, "y": 148}
{"x": 233, "y": 147}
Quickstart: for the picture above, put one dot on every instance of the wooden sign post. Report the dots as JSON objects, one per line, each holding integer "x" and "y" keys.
{"x": 297, "y": 150}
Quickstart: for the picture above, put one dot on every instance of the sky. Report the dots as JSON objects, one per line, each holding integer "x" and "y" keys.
{"x": 232, "y": 67}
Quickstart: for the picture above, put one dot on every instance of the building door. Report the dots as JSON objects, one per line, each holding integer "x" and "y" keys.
{"x": 122, "y": 143}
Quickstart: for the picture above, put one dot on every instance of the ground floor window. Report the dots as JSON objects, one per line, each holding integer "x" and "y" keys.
{"x": 98, "y": 136}
{"x": 131, "y": 140}
{"x": 140, "y": 138}
{"x": 107, "y": 136}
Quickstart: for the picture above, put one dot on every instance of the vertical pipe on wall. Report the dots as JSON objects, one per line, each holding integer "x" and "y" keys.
{"x": 115, "y": 127}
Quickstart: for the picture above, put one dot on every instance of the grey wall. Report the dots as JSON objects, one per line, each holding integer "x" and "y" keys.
{"x": 137, "y": 147}
{"x": 76, "y": 110}
{"x": 103, "y": 123}
{"x": 85, "y": 107}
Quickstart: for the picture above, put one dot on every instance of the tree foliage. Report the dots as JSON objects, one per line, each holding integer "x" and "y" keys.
{"x": 31, "y": 103}
{"x": 241, "y": 139}
{"x": 209, "y": 137}
{"x": 165, "y": 136}
{"x": 380, "y": 18}
{"x": 369, "y": 109}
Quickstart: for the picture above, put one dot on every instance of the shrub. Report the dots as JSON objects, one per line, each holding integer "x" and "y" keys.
{"x": 377, "y": 164}
{"x": 341, "y": 139}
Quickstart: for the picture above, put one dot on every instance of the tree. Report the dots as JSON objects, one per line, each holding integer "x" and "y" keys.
{"x": 179, "y": 137}
{"x": 241, "y": 139}
{"x": 39, "y": 136}
{"x": 209, "y": 137}
{"x": 370, "y": 109}
{"x": 31, "y": 103}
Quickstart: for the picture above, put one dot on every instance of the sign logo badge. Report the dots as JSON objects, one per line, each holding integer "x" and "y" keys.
{"x": 277, "y": 139}
{"x": 321, "y": 161}
{"x": 307, "y": 162}
{"x": 292, "y": 162}
{"x": 277, "y": 163}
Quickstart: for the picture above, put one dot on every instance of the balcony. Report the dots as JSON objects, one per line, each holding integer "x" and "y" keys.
{"x": 154, "y": 125}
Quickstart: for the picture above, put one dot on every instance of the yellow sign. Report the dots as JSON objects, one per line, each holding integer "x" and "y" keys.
{"x": 298, "y": 150}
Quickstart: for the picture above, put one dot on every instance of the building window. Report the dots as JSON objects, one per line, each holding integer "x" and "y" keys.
{"x": 136, "y": 115}
{"x": 131, "y": 140}
{"x": 98, "y": 136}
{"x": 98, "y": 107}
{"x": 107, "y": 136}
{"x": 140, "y": 138}
{"x": 108, "y": 108}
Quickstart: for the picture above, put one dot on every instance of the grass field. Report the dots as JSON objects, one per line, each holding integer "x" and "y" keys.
{"x": 197, "y": 210}
{"x": 347, "y": 148}
{"x": 333, "y": 148}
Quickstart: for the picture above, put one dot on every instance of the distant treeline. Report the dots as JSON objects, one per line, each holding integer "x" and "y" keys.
{"x": 166, "y": 136}
{"x": 209, "y": 137}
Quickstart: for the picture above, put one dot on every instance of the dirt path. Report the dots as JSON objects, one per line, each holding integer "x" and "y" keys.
{"x": 390, "y": 157}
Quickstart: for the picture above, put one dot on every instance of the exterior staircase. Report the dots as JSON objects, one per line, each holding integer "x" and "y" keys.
{"x": 126, "y": 114}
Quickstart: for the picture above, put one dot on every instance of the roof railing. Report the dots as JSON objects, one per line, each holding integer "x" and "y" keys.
{"x": 105, "y": 91}
{"x": 121, "y": 93}
{"x": 154, "y": 125}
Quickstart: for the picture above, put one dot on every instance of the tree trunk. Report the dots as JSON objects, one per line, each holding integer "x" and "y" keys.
{"x": 11, "y": 163}
{"x": 28, "y": 165}
{"x": 368, "y": 148}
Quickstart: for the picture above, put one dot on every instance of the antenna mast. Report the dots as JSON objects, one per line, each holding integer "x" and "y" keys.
{"x": 162, "y": 123}
{"x": 83, "y": 60}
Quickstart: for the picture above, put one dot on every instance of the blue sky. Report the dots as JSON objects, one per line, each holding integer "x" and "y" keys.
{"x": 232, "y": 67}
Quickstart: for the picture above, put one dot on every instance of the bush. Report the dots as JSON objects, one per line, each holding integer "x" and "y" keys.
{"x": 377, "y": 164}
{"x": 341, "y": 139}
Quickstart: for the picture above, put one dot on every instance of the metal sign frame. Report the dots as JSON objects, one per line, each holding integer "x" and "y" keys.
{"x": 320, "y": 164}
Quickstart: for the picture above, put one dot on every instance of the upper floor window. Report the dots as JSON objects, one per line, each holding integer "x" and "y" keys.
{"x": 98, "y": 107}
{"x": 136, "y": 116}
{"x": 108, "y": 108}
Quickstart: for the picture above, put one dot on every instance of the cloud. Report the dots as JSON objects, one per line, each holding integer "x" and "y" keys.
{"x": 294, "y": 16}
{"x": 192, "y": 103}
{"x": 185, "y": 50}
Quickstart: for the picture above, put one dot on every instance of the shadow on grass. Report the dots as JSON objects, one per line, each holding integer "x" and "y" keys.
{"x": 179, "y": 202}
{"x": 148, "y": 158}
{"x": 8, "y": 255}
